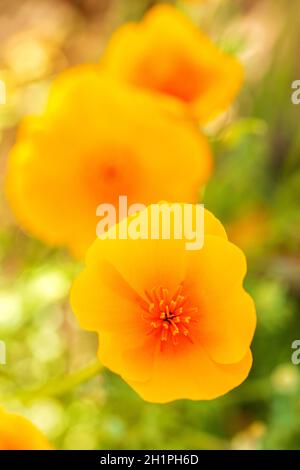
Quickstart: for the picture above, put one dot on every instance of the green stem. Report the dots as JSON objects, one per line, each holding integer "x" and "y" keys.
{"x": 61, "y": 386}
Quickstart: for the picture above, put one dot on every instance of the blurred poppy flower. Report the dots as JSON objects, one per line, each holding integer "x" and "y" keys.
{"x": 173, "y": 323}
{"x": 167, "y": 54}
{"x": 98, "y": 140}
{"x": 17, "y": 433}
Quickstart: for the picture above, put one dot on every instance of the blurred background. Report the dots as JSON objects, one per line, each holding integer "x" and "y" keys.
{"x": 50, "y": 374}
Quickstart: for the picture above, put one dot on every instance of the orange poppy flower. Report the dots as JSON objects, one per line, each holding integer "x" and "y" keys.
{"x": 98, "y": 140}
{"x": 173, "y": 323}
{"x": 17, "y": 433}
{"x": 168, "y": 55}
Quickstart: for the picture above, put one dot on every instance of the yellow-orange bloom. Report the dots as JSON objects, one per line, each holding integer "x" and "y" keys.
{"x": 17, "y": 433}
{"x": 173, "y": 323}
{"x": 98, "y": 140}
{"x": 168, "y": 55}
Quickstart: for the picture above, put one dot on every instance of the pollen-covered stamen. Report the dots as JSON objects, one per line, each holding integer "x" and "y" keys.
{"x": 169, "y": 315}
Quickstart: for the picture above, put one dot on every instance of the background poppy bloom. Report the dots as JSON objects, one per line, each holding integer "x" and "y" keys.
{"x": 167, "y": 54}
{"x": 173, "y": 323}
{"x": 98, "y": 140}
{"x": 17, "y": 433}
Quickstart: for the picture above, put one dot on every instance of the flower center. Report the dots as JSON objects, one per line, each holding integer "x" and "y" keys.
{"x": 170, "y": 316}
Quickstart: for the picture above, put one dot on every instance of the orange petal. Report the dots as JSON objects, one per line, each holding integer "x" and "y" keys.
{"x": 212, "y": 226}
{"x": 192, "y": 375}
{"x": 144, "y": 264}
{"x": 214, "y": 271}
{"x": 170, "y": 57}
{"x": 103, "y": 301}
{"x": 128, "y": 350}
{"x": 228, "y": 326}
{"x": 18, "y": 433}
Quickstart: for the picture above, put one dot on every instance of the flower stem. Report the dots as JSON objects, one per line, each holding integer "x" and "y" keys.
{"x": 62, "y": 385}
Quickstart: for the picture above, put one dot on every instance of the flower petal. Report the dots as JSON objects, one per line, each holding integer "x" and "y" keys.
{"x": 104, "y": 301}
{"x": 214, "y": 271}
{"x": 192, "y": 375}
{"x": 128, "y": 349}
{"x": 167, "y": 55}
{"x": 228, "y": 327}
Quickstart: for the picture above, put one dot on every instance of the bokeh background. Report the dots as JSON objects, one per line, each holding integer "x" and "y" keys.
{"x": 51, "y": 374}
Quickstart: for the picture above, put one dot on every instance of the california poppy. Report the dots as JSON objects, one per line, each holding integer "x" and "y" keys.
{"x": 18, "y": 433}
{"x": 173, "y": 323}
{"x": 167, "y": 55}
{"x": 98, "y": 140}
